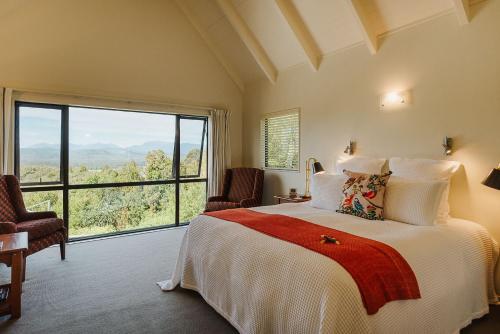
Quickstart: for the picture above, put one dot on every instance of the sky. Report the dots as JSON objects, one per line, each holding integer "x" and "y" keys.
{"x": 91, "y": 126}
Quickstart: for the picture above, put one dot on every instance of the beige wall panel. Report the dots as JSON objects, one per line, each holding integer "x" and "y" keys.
{"x": 207, "y": 11}
{"x": 128, "y": 49}
{"x": 454, "y": 74}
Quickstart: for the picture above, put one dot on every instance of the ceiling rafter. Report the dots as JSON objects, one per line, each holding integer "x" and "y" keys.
{"x": 367, "y": 29}
{"x": 249, "y": 39}
{"x": 303, "y": 35}
{"x": 462, "y": 8}
{"x": 193, "y": 19}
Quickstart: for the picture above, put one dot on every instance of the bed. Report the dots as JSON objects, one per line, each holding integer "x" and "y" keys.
{"x": 262, "y": 284}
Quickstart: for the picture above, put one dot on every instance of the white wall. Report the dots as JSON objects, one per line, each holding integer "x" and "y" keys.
{"x": 128, "y": 49}
{"x": 454, "y": 74}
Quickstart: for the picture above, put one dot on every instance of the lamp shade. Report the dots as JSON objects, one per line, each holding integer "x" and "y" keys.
{"x": 317, "y": 168}
{"x": 493, "y": 180}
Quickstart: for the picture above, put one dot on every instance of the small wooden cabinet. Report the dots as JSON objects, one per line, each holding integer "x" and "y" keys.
{"x": 280, "y": 199}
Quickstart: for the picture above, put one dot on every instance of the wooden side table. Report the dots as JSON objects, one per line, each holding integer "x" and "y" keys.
{"x": 12, "y": 251}
{"x": 287, "y": 199}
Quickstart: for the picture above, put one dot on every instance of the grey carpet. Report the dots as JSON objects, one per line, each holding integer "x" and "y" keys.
{"x": 108, "y": 286}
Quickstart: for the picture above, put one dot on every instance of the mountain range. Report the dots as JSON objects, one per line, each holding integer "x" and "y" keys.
{"x": 97, "y": 155}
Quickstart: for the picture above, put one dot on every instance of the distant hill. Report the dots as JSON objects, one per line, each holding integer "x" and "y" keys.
{"x": 99, "y": 154}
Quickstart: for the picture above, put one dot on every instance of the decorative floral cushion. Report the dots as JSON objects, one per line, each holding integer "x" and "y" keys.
{"x": 7, "y": 210}
{"x": 364, "y": 195}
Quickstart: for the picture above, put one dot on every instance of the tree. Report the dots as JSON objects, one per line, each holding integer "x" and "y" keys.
{"x": 158, "y": 166}
{"x": 129, "y": 173}
{"x": 103, "y": 210}
{"x": 189, "y": 166}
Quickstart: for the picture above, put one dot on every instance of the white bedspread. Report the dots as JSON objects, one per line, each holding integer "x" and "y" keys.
{"x": 261, "y": 284}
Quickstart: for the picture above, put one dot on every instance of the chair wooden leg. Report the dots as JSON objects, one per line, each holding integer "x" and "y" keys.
{"x": 16, "y": 285}
{"x": 62, "y": 246}
{"x": 24, "y": 268}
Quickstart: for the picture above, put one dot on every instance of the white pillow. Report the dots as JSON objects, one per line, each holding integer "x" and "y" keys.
{"x": 423, "y": 169}
{"x": 413, "y": 202}
{"x": 427, "y": 170}
{"x": 326, "y": 191}
{"x": 360, "y": 165}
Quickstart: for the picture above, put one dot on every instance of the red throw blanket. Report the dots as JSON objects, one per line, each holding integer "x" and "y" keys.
{"x": 380, "y": 272}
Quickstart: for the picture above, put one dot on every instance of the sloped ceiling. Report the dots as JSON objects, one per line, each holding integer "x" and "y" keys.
{"x": 256, "y": 39}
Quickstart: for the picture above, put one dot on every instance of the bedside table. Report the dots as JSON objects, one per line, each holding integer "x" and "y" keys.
{"x": 287, "y": 199}
{"x": 12, "y": 251}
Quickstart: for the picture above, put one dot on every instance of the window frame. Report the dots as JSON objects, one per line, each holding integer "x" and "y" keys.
{"x": 264, "y": 134}
{"x": 17, "y": 143}
{"x": 65, "y": 186}
{"x": 200, "y": 159}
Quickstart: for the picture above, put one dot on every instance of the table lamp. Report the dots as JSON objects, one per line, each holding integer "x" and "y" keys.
{"x": 493, "y": 180}
{"x": 317, "y": 168}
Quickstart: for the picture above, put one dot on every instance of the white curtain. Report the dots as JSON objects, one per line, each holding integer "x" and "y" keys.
{"x": 2, "y": 138}
{"x": 7, "y": 131}
{"x": 220, "y": 150}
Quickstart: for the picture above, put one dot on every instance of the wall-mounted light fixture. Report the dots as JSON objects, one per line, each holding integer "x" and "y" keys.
{"x": 349, "y": 149}
{"x": 394, "y": 100}
{"x": 447, "y": 145}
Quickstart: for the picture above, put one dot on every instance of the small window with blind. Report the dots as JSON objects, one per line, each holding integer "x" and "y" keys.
{"x": 280, "y": 140}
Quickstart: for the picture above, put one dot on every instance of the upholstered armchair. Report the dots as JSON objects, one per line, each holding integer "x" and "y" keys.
{"x": 44, "y": 228}
{"x": 242, "y": 189}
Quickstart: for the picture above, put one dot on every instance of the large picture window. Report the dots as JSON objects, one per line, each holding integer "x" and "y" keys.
{"x": 111, "y": 171}
{"x": 39, "y": 137}
{"x": 280, "y": 140}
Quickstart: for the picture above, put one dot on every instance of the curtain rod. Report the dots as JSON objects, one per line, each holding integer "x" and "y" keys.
{"x": 152, "y": 102}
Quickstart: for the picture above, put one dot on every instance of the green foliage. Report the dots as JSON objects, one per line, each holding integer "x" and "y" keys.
{"x": 40, "y": 174}
{"x": 192, "y": 198}
{"x": 103, "y": 210}
{"x": 189, "y": 166}
{"x": 158, "y": 166}
{"x": 44, "y": 201}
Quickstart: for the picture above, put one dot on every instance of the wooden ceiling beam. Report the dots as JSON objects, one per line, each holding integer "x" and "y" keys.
{"x": 303, "y": 35}
{"x": 249, "y": 39}
{"x": 193, "y": 19}
{"x": 367, "y": 29}
{"x": 462, "y": 8}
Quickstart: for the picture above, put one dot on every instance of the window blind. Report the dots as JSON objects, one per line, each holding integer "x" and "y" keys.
{"x": 280, "y": 134}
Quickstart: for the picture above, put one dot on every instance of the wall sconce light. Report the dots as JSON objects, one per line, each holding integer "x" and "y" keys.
{"x": 394, "y": 100}
{"x": 447, "y": 145}
{"x": 316, "y": 168}
{"x": 349, "y": 149}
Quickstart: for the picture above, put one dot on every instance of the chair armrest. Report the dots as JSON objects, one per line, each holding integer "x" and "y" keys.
{"x": 37, "y": 215}
{"x": 249, "y": 202}
{"x": 7, "y": 227}
{"x": 216, "y": 199}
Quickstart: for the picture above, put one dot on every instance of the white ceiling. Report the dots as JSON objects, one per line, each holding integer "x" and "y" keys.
{"x": 329, "y": 25}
